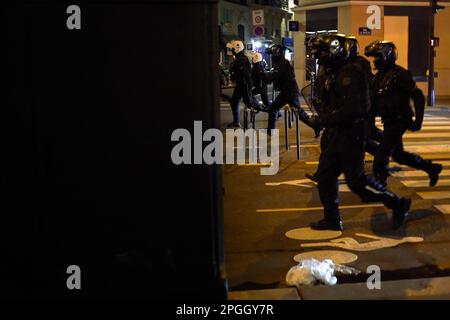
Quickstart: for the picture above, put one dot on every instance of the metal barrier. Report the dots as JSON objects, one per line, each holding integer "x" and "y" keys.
{"x": 289, "y": 115}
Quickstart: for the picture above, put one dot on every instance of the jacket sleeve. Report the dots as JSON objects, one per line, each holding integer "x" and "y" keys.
{"x": 406, "y": 82}
{"x": 352, "y": 87}
{"x": 247, "y": 73}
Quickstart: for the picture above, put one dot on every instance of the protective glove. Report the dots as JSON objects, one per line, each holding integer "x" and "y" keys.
{"x": 316, "y": 125}
{"x": 415, "y": 126}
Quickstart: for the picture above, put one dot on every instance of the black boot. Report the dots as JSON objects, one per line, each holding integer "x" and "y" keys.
{"x": 433, "y": 172}
{"x": 234, "y": 125}
{"x": 326, "y": 224}
{"x": 400, "y": 213}
{"x": 312, "y": 177}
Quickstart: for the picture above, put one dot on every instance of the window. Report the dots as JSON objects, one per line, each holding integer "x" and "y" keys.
{"x": 241, "y": 32}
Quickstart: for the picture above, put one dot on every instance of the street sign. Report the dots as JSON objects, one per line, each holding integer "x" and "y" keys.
{"x": 258, "y": 17}
{"x": 294, "y": 26}
{"x": 258, "y": 31}
{"x": 288, "y": 42}
{"x": 364, "y": 31}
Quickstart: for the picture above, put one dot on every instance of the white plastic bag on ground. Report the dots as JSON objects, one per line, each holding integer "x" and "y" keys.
{"x": 308, "y": 272}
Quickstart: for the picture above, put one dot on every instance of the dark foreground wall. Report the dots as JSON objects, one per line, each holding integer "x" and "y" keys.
{"x": 86, "y": 174}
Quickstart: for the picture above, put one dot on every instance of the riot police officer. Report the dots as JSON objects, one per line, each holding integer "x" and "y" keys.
{"x": 346, "y": 118}
{"x": 240, "y": 74}
{"x": 283, "y": 78}
{"x": 393, "y": 87}
{"x": 375, "y": 134}
{"x": 351, "y": 47}
{"x": 259, "y": 78}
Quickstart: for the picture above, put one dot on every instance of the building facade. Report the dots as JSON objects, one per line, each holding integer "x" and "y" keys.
{"x": 235, "y": 19}
{"x": 406, "y": 23}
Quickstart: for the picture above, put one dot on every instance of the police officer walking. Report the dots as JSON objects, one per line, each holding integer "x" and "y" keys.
{"x": 259, "y": 79}
{"x": 346, "y": 119}
{"x": 283, "y": 78}
{"x": 240, "y": 72}
{"x": 393, "y": 87}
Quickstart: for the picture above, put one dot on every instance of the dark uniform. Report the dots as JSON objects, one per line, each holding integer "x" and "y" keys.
{"x": 363, "y": 65}
{"x": 393, "y": 87}
{"x": 259, "y": 79}
{"x": 346, "y": 119}
{"x": 283, "y": 78}
{"x": 375, "y": 134}
{"x": 240, "y": 71}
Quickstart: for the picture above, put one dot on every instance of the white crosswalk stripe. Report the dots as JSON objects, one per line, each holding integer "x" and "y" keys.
{"x": 432, "y": 142}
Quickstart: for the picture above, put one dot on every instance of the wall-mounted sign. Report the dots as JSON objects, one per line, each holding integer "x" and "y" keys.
{"x": 294, "y": 26}
{"x": 258, "y": 17}
{"x": 228, "y": 28}
{"x": 364, "y": 31}
{"x": 288, "y": 42}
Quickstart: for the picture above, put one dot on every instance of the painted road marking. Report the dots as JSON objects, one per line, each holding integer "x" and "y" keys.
{"x": 444, "y": 208}
{"x": 392, "y": 163}
{"x": 338, "y": 257}
{"x": 352, "y": 244}
{"x": 425, "y": 183}
{"x": 435, "y": 128}
{"x": 427, "y": 135}
{"x": 413, "y": 143}
{"x": 305, "y": 183}
{"x": 310, "y": 234}
{"x": 430, "y": 195}
{"x": 425, "y": 123}
{"x": 305, "y": 146}
{"x": 358, "y": 206}
{"x": 254, "y": 164}
{"x": 444, "y": 163}
{"x": 426, "y": 117}
{"x": 427, "y": 148}
{"x": 417, "y": 173}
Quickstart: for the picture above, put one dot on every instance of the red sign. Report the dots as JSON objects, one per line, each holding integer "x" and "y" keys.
{"x": 258, "y": 31}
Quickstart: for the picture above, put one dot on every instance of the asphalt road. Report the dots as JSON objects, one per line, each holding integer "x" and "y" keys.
{"x": 259, "y": 210}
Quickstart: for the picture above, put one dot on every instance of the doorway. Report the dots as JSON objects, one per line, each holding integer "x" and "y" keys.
{"x": 396, "y": 29}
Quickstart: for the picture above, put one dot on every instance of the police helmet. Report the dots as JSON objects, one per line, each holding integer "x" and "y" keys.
{"x": 235, "y": 46}
{"x": 328, "y": 49}
{"x": 351, "y": 46}
{"x": 384, "y": 52}
{"x": 255, "y": 56}
{"x": 277, "y": 50}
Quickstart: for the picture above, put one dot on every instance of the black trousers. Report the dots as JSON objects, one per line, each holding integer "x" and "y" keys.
{"x": 375, "y": 138}
{"x": 240, "y": 91}
{"x": 292, "y": 98}
{"x": 392, "y": 145}
{"x": 262, "y": 91}
{"x": 344, "y": 153}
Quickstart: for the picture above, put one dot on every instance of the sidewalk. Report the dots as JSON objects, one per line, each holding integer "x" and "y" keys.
{"x": 411, "y": 289}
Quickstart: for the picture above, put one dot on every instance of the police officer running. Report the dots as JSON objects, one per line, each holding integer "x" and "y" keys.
{"x": 393, "y": 87}
{"x": 283, "y": 78}
{"x": 351, "y": 46}
{"x": 346, "y": 118}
